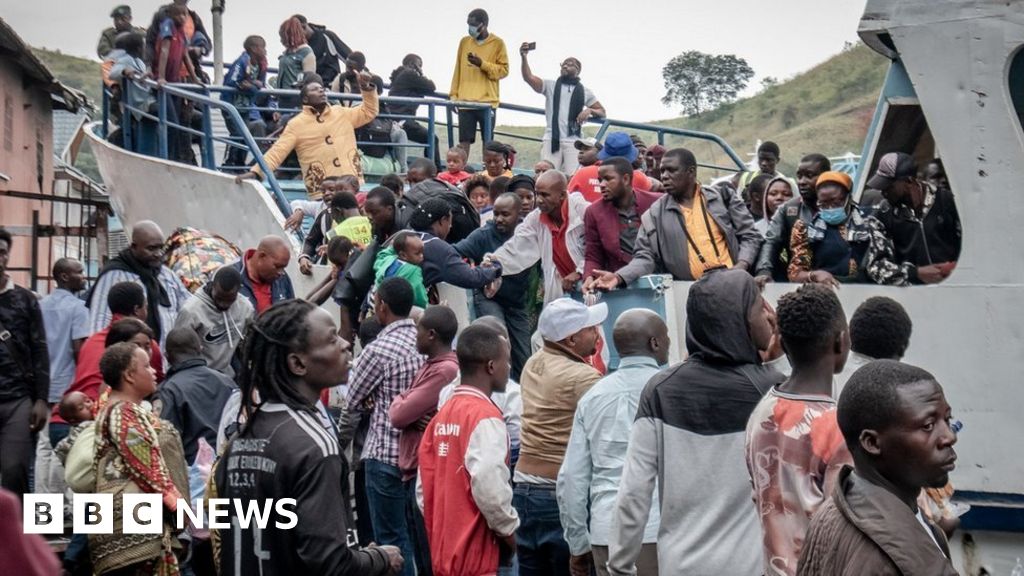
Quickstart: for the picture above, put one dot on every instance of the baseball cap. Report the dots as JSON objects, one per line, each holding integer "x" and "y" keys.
{"x": 587, "y": 143}
{"x": 835, "y": 177}
{"x": 564, "y": 317}
{"x": 122, "y": 10}
{"x": 893, "y": 166}
{"x": 618, "y": 144}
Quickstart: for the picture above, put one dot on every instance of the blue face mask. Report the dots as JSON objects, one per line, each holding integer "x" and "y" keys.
{"x": 833, "y": 216}
{"x": 474, "y": 32}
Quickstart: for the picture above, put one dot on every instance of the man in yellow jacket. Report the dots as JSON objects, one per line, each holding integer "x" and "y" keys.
{"x": 323, "y": 136}
{"x": 480, "y": 64}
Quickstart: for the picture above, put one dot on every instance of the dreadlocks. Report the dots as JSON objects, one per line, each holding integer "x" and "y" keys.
{"x": 278, "y": 331}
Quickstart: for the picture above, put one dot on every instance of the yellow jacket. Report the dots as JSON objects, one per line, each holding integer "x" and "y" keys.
{"x": 324, "y": 143}
{"x": 479, "y": 84}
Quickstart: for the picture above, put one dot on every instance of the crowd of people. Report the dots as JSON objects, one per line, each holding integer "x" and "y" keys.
{"x": 416, "y": 444}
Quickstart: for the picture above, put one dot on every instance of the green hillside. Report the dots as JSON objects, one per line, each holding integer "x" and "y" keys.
{"x": 827, "y": 109}
{"x": 79, "y": 73}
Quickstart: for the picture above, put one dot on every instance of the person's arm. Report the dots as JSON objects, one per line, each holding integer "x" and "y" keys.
{"x": 573, "y": 488}
{"x": 535, "y": 82}
{"x": 136, "y": 442}
{"x": 460, "y": 56}
{"x": 472, "y": 247}
{"x": 40, "y": 364}
{"x": 594, "y": 257}
{"x": 103, "y": 47}
{"x": 367, "y": 110}
{"x": 456, "y": 272}
{"x": 799, "y": 254}
{"x": 314, "y": 239}
{"x": 419, "y": 400}
{"x": 880, "y": 261}
{"x": 497, "y": 69}
{"x": 486, "y": 456}
{"x": 321, "y": 533}
{"x": 190, "y": 67}
{"x": 165, "y": 47}
{"x": 278, "y": 152}
{"x": 80, "y": 331}
{"x": 309, "y": 63}
{"x": 633, "y": 505}
{"x": 522, "y": 250}
{"x": 322, "y": 292}
{"x": 747, "y": 237}
{"x": 773, "y": 243}
{"x": 366, "y": 376}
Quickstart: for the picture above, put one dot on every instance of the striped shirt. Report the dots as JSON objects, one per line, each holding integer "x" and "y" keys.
{"x": 386, "y": 368}
{"x": 99, "y": 312}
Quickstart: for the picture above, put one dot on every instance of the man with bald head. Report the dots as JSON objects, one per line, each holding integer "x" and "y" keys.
{"x": 552, "y": 234}
{"x": 264, "y": 279}
{"x": 589, "y": 478}
{"x": 142, "y": 263}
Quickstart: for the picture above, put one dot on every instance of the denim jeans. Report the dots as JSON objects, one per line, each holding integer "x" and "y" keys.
{"x": 417, "y": 530}
{"x": 387, "y": 498}
{"x": 516, "y": 321}
{"x": 541, "y": 546}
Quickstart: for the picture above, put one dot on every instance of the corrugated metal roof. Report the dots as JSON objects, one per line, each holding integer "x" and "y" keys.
{"x": 13, "y": 47}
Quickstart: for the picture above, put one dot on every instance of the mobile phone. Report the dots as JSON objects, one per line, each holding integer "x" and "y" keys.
{"x": 531, "y": 46}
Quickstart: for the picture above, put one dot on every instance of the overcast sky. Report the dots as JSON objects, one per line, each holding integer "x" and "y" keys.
{"x": 622, "y": 44}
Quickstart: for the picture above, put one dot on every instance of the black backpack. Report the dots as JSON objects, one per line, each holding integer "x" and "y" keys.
{"x": 378, "y": 130}
{"x": 465, "y": 218}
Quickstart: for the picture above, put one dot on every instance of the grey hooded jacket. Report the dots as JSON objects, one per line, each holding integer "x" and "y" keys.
{"x": 661, "y": 245}
{"x": 689, "y": 437}
{"x": 220, "y": 331}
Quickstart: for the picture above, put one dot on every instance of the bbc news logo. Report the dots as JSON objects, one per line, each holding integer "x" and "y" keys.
{"x": 143, "y": 513}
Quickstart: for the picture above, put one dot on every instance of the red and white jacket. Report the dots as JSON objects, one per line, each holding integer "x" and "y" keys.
{"x": 463, "y": 486}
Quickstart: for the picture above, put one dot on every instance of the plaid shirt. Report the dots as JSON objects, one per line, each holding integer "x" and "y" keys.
{"x": 386, "y": 368}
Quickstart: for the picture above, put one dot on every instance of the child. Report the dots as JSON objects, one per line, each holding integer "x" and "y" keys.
{"x": 477, "y": 189}
{"x": 76, "y": 408}
{"x": 403, "y": 258}
{"x": 247, "y": 75}
{"x": 456, "y": 162}
{"x": 339, "y": 252}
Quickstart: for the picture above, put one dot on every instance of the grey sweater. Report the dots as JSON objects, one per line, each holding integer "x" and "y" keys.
{"x": 689, "y": 437}
{"x": 220, "y": 330}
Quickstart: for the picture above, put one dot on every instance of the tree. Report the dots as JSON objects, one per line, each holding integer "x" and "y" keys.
{"x": 700, "y": 82}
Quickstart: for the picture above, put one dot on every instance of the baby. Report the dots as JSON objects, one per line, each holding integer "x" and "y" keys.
{"x": 76, "y": 408}
{"x": 403, "y": 258}
{"x": 456, "y": 164}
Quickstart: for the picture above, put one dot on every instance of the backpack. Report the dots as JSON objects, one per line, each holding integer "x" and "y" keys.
{"x": 378, "y": 130}
{"x": 465, "y": 218}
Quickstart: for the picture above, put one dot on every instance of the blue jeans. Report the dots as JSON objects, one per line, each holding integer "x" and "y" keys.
{"x": 387, "y": 498}
{"x": 541, "y": 546}
{"x": 417, "y": 530}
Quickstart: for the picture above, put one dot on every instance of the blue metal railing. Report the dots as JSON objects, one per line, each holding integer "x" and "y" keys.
{"x": 205, "y": 99}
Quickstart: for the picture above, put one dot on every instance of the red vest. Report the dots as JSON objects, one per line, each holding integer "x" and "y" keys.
{"x": 461, "y": 543}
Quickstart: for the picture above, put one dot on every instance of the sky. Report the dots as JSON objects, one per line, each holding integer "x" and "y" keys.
{"x": 622, "y": 52}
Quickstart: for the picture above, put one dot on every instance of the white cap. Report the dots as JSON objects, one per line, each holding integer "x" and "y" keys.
{"x": 564, "y": 317}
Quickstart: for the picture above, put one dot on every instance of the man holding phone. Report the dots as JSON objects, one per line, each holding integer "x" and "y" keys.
{"x": 480, "y": 64}
{"x": 567, "y": 106}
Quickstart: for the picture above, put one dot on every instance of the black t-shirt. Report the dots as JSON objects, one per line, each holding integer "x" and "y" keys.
{"x": 285, "y": 453}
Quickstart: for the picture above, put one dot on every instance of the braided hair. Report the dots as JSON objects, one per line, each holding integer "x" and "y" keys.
{"x": 429, "y": 211}
{"x": 279, "y": 331}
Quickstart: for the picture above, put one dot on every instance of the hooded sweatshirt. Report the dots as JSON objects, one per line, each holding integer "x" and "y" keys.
{"x": 220, "y": 330}
{"x": 388, "y": 264}
{"x": 689, "y": 438}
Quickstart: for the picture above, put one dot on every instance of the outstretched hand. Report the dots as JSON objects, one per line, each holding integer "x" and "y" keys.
{"x": 602, "y": 280}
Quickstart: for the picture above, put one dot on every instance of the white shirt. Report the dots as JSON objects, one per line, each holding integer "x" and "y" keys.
{"x": 563, "y": 108}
